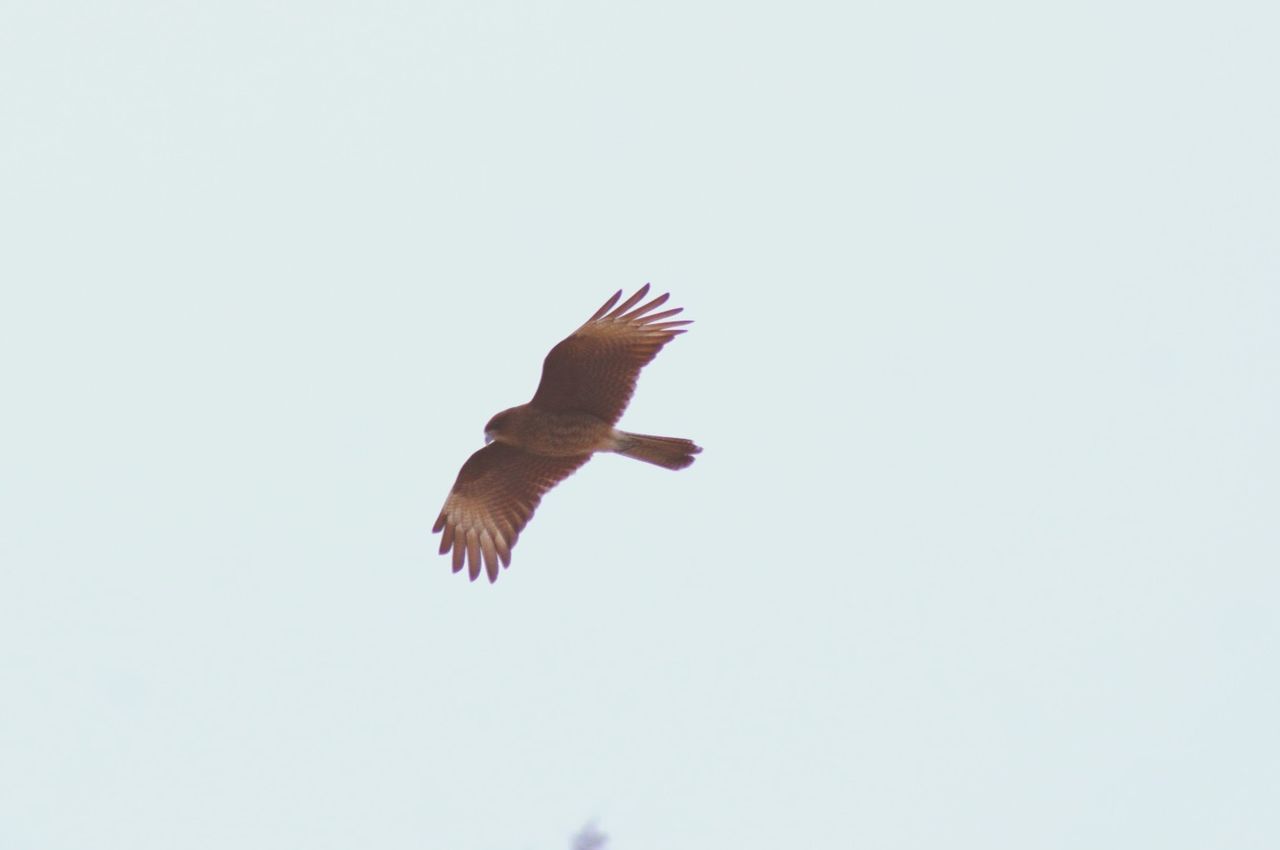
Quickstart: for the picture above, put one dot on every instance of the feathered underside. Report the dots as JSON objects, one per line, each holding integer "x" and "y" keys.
{"x": 593, "y": 371}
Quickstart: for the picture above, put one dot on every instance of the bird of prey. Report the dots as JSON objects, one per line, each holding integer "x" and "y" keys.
{"x": 587, "y": 380}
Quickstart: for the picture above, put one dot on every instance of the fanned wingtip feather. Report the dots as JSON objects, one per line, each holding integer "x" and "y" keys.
{"x": 490, "y": 555}
{"x": 641, "y": 310}
{"x": 657, "y": 317}
{"x": 613, "y": 311}
{"x": 607, "y": 305}
{"x": 473, "y": 553}
{"x": 629, "y": 303}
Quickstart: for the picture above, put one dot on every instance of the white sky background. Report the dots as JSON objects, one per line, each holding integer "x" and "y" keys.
{"x": 982, "y": 549}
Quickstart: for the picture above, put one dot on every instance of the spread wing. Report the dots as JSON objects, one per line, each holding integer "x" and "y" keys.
{"x": 594, "y": 370}
{"x": 496, "y": 493}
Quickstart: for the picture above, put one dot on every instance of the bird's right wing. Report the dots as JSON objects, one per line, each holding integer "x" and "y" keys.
{"x": 594, "y": 370}
{"x": 496, "y": 493}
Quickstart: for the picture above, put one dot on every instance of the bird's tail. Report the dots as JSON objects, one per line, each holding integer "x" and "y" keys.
{"x": 671, "y": 452}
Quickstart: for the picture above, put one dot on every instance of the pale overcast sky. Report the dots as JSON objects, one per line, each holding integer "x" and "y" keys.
{"x": 982, "y": 550}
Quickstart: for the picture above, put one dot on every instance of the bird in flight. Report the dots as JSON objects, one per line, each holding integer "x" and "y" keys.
{"x": 587, "y": 380}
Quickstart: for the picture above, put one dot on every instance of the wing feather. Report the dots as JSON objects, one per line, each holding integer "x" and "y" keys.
{"x": 495, "y": 495}
{"x": 473, "y": 553}
{"x": 629, "y": 303}
{"x": 594, "y": 370}
{"x": 607, "y": 305}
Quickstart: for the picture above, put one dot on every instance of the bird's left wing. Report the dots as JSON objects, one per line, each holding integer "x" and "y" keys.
{"x": 496, "y": 493}
{"x": 594, "y": 369}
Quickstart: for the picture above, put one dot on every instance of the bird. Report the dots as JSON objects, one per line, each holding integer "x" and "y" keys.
{"x": 587, "y": 380}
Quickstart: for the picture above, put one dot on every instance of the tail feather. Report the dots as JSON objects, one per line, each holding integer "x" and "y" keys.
{"x": 670, "y": 452}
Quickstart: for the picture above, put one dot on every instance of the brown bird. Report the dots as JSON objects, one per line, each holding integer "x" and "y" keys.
{"x": 586, "y": 383}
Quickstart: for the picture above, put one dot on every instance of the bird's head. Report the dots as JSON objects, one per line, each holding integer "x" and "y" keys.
{"x": 498, "y": 425}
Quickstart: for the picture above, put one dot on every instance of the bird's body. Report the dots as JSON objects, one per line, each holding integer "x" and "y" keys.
{"x": 550, "y": 432}
{"x": 587, "y": 381}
